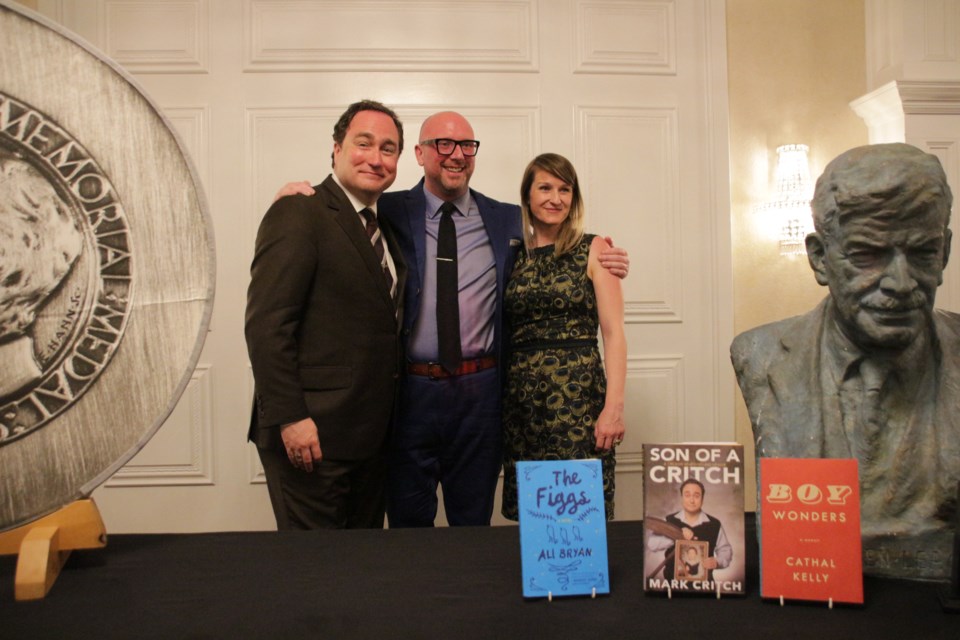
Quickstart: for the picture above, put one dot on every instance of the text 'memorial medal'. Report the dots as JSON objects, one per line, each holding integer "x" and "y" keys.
{"x": 106, "y": 268}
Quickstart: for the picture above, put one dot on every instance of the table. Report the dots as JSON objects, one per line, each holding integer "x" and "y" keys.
{"x": 452, "y": 583}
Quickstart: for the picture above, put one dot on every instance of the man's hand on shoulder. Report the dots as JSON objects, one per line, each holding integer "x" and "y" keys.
{"x": 614, "y": 259}
{"x": 295, "y": 188}
{"x": 302, "y": 443}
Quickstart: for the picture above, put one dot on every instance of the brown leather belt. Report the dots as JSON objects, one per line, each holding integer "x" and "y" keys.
{"x": 436, "y": 370}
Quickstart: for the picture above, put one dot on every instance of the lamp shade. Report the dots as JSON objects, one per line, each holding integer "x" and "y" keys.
{"x": 790, "y": 205}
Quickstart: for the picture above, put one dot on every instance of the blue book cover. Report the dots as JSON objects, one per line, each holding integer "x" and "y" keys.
{"x": 563, "y": 528}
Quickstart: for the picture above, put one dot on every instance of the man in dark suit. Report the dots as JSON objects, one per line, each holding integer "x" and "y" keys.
{"x": 322, "y": 329}
{"x": 872, "y": 372}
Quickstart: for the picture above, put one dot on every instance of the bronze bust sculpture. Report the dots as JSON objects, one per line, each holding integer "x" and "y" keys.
{"x": 873, "y": 372}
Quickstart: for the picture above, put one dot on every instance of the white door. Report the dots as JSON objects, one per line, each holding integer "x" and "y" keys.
{"x": 633, "y": 91}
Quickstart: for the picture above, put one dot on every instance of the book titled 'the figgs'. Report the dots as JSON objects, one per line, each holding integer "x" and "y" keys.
{"x": 563, "y": 528}
{"x": 810, "y": 546}
{"x": 693, "y": 518}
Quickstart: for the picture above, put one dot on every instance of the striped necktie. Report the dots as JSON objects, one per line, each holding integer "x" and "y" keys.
{"x": 376, "y": 239}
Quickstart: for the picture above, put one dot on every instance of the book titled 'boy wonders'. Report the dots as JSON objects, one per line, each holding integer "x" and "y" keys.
{"x": 810, "y": 546}
{"x": 693, "y": 518}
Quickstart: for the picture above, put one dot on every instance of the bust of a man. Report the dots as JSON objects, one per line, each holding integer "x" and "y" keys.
{"x": 873, "y": 372}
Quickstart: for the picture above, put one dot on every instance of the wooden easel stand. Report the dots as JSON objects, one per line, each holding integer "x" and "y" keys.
{"x": 43, "y": 546}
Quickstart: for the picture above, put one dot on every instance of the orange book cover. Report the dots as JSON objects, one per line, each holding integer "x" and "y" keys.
{"x": 810, "y": 530}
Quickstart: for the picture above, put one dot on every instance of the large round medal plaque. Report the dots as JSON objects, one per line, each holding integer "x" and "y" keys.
{"x": 106, "y": 268}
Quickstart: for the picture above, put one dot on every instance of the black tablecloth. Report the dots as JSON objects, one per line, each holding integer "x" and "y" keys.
{"x": 456, "y": 583}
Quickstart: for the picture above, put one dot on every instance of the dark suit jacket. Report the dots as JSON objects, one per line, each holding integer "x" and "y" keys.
{"x": 404, "y": 211}
{"x": 778, "y": 369}
{"x": 322, "y": 331}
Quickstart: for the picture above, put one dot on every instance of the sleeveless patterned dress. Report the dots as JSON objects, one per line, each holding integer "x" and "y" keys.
{"x": 555, "y": 380}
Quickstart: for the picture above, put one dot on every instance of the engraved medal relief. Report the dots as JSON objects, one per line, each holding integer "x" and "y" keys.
{"x": 65, "y": 269}
{"x": 107, "y": 267}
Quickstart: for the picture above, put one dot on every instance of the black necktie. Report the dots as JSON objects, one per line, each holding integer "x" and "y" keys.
{"x": 448, "y": 305}
{"x": 376, "y": 239}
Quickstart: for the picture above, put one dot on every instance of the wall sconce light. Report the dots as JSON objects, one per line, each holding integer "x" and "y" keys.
{"x": 790, "y": 207}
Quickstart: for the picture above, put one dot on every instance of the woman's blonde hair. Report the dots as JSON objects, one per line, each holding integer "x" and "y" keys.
{"x": 571, "y": 230}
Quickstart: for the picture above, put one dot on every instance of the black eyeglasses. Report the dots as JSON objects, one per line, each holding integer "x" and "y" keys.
{"x": 445, "y": 146}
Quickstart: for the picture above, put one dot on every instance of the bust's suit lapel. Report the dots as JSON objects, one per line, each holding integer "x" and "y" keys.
{"x": 947, "y": 419}
{"x": 794, "y": 410}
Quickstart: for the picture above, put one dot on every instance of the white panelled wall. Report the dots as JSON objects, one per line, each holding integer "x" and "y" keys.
{"x": 633, "y": 91}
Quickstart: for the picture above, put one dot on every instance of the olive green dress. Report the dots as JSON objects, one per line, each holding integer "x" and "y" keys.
{"x": 555, "y": 382}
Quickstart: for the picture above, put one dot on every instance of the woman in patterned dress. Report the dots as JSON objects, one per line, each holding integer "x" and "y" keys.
{"x": 561, "y": 402}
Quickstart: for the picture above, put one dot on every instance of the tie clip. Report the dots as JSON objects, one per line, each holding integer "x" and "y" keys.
{"x": 445, "y": 259}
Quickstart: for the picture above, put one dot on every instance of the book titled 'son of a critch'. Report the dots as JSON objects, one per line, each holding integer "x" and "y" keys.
{"x": 563, "y": 528}
{"x": 693, "y": 518}
{"x": 810, "y": 547}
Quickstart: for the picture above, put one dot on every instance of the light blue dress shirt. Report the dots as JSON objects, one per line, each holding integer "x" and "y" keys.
{"x": 476, "y": 278}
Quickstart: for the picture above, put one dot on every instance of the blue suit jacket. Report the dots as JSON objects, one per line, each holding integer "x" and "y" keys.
{"x": 404, "y": 211}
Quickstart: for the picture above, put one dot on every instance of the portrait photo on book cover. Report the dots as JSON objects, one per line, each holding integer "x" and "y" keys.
{"x": 694, "y": 535}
